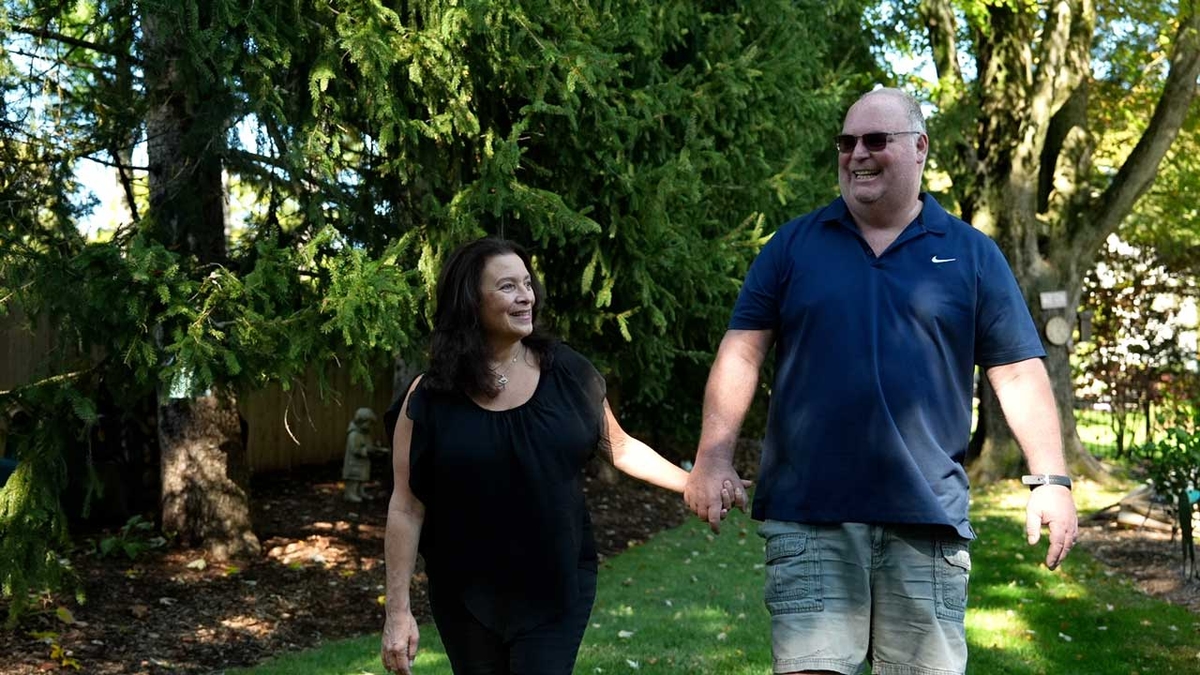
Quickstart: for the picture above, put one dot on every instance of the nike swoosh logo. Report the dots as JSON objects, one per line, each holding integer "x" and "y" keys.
{"x": 937, "y": 260}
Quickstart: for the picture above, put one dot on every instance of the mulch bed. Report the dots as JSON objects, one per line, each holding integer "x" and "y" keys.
{"x": 1150, "y": 560}
{"x": 320, "y": 577}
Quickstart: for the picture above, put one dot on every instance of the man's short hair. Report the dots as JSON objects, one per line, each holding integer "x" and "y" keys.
{"x": 912, "y": 107}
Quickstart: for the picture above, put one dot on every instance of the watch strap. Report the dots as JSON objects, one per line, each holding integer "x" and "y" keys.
{"x": 1038, "y": 479}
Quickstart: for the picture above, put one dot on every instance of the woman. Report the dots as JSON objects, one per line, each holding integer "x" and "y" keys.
{"x": 488, "y": 462}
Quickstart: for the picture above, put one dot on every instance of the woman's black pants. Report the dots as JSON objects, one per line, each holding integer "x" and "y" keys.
{"x": 548, "y": 649}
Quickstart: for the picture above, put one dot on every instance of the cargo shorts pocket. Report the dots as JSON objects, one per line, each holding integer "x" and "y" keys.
{"x": 793, "y": 582}
{"x": 952, "y": 566}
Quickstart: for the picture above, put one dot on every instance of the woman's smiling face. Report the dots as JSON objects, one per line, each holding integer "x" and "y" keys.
{"x": 506, "y": 298}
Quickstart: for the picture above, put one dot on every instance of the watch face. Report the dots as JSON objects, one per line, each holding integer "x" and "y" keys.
{"x": 1058, "y": 331}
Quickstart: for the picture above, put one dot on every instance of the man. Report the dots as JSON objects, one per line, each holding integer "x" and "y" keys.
{"x": 879, "y": 306}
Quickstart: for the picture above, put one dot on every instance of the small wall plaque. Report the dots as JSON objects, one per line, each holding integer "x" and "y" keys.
{"x": 1054, "y": 299}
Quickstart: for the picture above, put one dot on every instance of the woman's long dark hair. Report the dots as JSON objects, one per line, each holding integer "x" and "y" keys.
{"x": 458, "y": 349}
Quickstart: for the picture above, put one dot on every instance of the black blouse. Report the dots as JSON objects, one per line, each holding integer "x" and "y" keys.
{"x": 506, "y": 526}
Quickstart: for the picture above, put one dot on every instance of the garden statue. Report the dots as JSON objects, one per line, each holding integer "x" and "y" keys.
{"x": 356, "y": 469}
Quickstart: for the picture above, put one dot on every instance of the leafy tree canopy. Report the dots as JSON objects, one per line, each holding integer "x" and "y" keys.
{"x": 1052, "y": 122}
{"x": 640, "y": 149}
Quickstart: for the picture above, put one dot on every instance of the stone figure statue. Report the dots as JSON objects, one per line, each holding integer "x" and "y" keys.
{"x": 360, "y": 445}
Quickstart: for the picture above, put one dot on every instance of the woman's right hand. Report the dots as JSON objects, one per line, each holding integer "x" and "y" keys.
{"x": 400, "y": 640}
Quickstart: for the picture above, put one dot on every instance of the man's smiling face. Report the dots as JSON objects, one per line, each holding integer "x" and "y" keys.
{"x": 889, "y": 178}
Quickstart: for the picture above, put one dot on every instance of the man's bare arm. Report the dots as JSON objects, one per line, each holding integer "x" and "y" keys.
{"x": 727, "y": 397}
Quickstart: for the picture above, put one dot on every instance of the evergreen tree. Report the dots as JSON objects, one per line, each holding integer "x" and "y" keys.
{"x": 640, "y": 149}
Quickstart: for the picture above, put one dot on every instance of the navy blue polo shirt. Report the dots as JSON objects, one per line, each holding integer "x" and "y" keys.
{"x": 870, "y": 410}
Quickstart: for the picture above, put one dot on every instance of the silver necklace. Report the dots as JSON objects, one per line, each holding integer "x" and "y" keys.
{"x": 502, "y": 378}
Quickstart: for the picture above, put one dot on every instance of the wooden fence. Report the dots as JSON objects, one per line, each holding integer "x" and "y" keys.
{"x": 296, "y": 428}
{"x": 287, "y": 429}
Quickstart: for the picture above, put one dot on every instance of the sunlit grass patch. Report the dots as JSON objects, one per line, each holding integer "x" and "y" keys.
{"x": 687, "y": 601}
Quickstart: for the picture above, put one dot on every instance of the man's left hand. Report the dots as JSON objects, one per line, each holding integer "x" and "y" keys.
{"x": 1054, "y": 507}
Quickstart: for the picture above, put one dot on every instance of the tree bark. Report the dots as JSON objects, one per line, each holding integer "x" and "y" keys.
{"x": 1026, "y": 180}
{"x": 993, "y": 453}
{"x": 204, "y": 465}
{"x": 205, "y": 474}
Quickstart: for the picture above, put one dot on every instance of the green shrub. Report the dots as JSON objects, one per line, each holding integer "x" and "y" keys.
{"x": 1172, "y": 463}
{"x": 135, "y": 537}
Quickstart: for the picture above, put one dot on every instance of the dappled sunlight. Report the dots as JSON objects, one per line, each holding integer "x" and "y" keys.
{"x": 428, "y": 658}
{"x": 687, "y": 601}
{"x": 353, "y": 656}
{"x": 1031, "y": 584}
{"x": 244, "y": 622}
{"x": 1025, "y": 619}
{"x": 1000, "y": 594}
{"x": 1008, "y": 498}
{"x": 1091, "y": 496}
{"x": 700, "y": 619}
{"x": 318, "y": 578}
{"x": 994, "y": 625}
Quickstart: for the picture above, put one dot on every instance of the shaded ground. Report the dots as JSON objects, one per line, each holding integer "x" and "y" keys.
{"x": 1150, "y": 559}
{"x": 321, "y": 576}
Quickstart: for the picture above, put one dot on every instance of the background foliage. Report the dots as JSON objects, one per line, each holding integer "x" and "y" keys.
{"x": 1136, "y": 342}
{"x": 641, "y": 150}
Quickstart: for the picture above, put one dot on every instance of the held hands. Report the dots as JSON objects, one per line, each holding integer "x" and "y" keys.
{"x": 1053, "y": 506}
{"x": 400, "y": 640}
{"x": 710, "y": 494}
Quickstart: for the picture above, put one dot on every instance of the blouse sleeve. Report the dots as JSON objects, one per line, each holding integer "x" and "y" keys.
{"x": 420, "y": 462}
{"x": 594, "y": 390}
{"x": 598, "y": 392}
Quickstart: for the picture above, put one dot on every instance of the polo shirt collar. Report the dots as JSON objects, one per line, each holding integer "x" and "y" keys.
{"x": 933, "y": 218}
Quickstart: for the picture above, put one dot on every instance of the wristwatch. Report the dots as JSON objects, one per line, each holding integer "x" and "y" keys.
{"x": 1038, "y": 479}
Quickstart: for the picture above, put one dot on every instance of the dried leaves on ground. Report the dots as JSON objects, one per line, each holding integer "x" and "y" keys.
{"x": 1150, "y": 559}
{"x": 320, "y": 577}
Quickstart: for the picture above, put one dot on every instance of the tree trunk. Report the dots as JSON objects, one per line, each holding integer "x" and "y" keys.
{"x": 205, "y": 475}
{"x": 204, "y": 466}
{"x": 1028, "y": 183}
{"x": 1080, "y": 462}
{"x": 994, "y": 451}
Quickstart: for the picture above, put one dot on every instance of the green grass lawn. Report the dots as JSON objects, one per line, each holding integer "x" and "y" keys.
{"x": 689, "y": 602}
{"x": 1100, "y": 438}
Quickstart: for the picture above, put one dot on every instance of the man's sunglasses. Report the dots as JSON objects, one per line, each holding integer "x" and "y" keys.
{"x": 874, "y": 141}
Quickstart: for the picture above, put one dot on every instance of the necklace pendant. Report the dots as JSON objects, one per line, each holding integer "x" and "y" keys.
{"x": 501, "y": 381}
